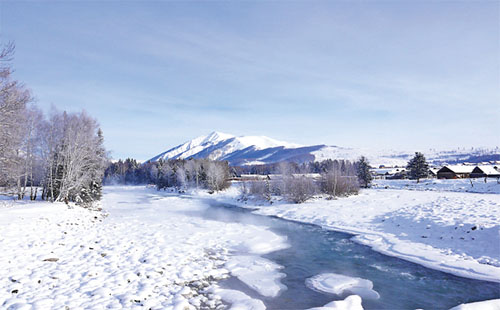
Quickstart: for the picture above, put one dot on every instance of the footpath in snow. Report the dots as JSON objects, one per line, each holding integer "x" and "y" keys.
{"x": 450, "y": 230}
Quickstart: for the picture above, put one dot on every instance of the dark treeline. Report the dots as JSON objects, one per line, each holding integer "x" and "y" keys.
{"x": 127, "y": 172}
{"x": 63, "y": 154}
{"x": 178, "y": 173}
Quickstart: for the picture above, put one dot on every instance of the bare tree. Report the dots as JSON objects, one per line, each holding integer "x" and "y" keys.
{"x": 31, "y": 152}
{"x": 194, "y": 169}
{"x": 300, "y": 189}
{"x": 217, "y": 175}
{"x": 13, "y": 100}
{"x": 335, "y": 184}
{"x": 181, "y": 178}
{"x": 260, "y": 189}
{"x": 78, "y": 158}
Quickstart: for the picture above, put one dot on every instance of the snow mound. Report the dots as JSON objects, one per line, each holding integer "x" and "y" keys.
{"x": 352, "y": 302}
{"x": 258, "y": 273}
{"x": 339, "y": 284}
{"x": 239, "y": 300}
{"x": 493, "y": 304}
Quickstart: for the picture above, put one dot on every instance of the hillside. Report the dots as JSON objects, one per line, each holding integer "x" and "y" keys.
{"x": 254, "y": 150}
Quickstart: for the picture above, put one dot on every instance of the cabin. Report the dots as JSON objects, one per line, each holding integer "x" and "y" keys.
{"x": 252, "y": 177}
{"x": 388, "y": 173}
{"x": 275, "y": 177}
{"x": 455, "y": 172}
{"x": 485, "y": 172}
{"x": 433, "y": 172}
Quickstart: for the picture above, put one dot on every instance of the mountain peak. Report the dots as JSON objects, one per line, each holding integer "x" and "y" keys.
{"x": 216, "y": 136}
{"x": 223, "y": 146}
{"x": 256, "y": 150}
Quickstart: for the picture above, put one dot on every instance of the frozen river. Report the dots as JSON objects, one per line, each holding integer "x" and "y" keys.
{"x": 313, "y": 251}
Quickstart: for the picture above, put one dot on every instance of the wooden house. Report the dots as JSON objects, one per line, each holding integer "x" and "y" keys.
{"x": 455, "y": 172}
{"x": 485, "y": 172}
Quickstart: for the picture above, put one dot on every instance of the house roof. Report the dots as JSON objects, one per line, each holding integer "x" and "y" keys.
{"x": 459, "y": 168}
{"x": 434, "y": 170}
{"x": 387, "y": 171}
{"x": 488, "y": 170}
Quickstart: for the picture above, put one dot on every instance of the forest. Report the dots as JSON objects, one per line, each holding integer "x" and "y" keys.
{"x": 179, "y": 173}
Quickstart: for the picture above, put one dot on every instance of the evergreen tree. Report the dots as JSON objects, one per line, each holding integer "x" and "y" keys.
{"x": 363, "y": 172}
{"x": 418, "y": 167}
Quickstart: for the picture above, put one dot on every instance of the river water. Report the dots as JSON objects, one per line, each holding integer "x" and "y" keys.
{"x": 401, "y": 284}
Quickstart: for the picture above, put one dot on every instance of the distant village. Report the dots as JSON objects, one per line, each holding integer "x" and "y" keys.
{"x": 457, "y": 171}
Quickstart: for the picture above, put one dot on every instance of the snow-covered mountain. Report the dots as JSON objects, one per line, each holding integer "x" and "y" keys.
{"x": 253, "y": 150}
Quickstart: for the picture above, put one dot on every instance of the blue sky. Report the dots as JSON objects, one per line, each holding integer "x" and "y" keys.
{"x": 387, "y": 74}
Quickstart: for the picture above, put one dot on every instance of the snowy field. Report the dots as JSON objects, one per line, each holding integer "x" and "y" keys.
{"x": 491, "y": 186}
{"x": 438, "y": 223}
{"x": 152, "y": 250}
{"x": 148, "y": 253}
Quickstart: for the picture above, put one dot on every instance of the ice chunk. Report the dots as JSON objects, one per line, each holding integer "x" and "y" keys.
{"x": 339, "y": 284}
{"x": 259, "y": 273}
{"x": 352, "y": 302}
{"x": 239, "y": 300}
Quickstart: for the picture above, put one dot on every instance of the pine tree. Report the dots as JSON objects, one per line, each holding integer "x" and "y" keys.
{"x": 363, "y": 172}
{"x": 418, "y": 167}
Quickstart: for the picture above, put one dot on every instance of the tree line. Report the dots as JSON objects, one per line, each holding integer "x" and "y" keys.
{"x": 336, "y": 177}
{"x": 307, "y": 167}
{"x": 298, "y": 183}
{"x": 177, "y": 173}
{"x": 62, "y": 154}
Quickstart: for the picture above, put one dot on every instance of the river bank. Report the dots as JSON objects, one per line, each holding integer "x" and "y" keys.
{"x": 443, "y": 227}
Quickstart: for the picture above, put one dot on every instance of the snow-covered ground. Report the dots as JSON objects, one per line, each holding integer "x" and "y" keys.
{"x": 491, "y": 186}
{"x": 150, "y": 250}
{"x": 437, "y": 224}
{"x": 148, "y": 253}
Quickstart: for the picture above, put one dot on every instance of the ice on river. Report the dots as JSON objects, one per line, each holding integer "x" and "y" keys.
{"x": 341, "y": 285}
{"x": 260, "y": 274}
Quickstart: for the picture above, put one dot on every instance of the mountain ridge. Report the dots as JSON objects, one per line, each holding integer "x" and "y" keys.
{"x": 254, "y": 150}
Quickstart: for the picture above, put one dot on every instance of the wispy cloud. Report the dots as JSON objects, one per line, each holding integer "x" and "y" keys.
{"x": 321, "y": 72}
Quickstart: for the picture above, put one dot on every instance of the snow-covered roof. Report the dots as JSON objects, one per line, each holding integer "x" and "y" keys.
{"x": 489, "y": 170}
{"x": 460, "y": 168}
{"x": 388, "y": 171}
{"x": 434, "y": 170}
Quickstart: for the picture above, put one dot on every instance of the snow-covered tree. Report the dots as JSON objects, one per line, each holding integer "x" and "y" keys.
{"x": 418, "y": 167}
{"x": 13, "y": 100}
{"x": 78, "y": 158}
{"x": 217, "y": 175}
{"x": 181, "y": 178}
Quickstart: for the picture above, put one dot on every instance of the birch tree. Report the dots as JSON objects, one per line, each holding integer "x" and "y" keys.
{"x": 78, "y": 160}
{"x": 13, "y": 100}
